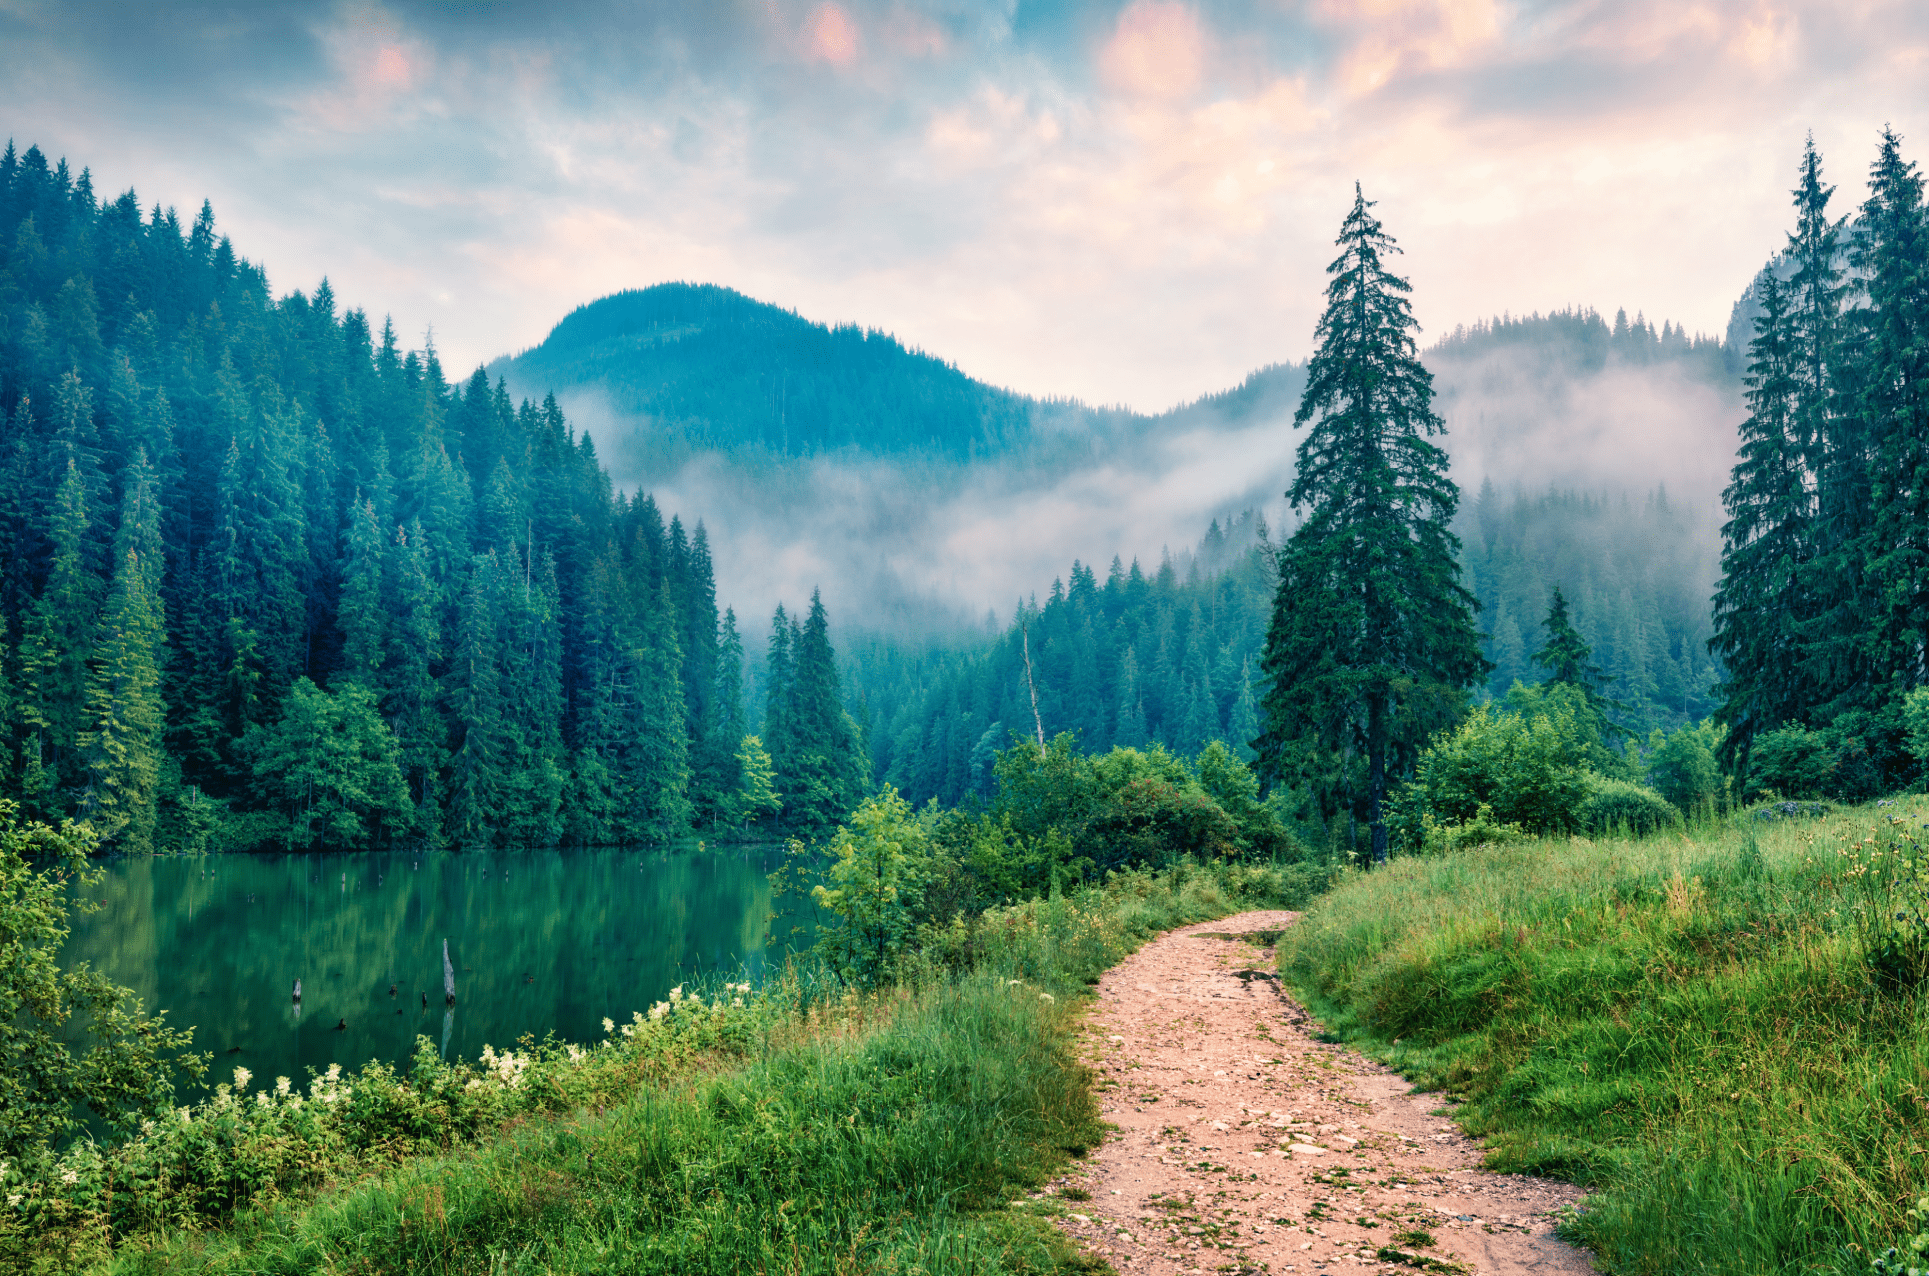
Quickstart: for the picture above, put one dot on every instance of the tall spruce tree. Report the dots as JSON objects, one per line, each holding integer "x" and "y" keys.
{"x": 1372, "y": 642}
{"x": 821, "y": 769}
{"x": 1767, "y": 541}
{"x": 121, "y": 744}
{"x": 54, "y": 651}
{"x": 1892, "y": 257}
{"x": 1569, "y": 661}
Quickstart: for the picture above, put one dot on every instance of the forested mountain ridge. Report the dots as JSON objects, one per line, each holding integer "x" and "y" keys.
{"x": 270, "y": 578}
{"x": 723, "y": 370}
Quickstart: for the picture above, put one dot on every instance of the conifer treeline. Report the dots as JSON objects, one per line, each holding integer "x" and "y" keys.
{"x": 1134, "y": 660}
{"x": 1822, "y": 616}
{"x": 1636, "y": 573}
{"x": 264, "y": 569}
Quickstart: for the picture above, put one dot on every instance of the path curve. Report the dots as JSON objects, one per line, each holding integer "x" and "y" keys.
{"x": 1246, "y": 1146}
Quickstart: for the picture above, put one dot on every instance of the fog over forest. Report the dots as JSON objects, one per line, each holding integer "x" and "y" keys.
{"x": 921, "y": 539}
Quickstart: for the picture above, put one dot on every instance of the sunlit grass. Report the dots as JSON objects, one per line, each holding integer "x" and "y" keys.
{"x": 1689, "y": 1024}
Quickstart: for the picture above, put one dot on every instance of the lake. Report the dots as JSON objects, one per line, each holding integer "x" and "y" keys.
{"x": 540, "y": 940}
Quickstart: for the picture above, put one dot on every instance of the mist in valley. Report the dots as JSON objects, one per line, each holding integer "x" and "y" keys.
{"x": 919, "y": 544}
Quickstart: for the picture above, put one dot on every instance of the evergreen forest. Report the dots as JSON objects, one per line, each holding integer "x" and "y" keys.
{"x": 270, "y": 579}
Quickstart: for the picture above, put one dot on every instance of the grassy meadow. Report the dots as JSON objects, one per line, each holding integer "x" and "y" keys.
{"x": 1723, "y": 1030}
{"x": 808, "y": 1126}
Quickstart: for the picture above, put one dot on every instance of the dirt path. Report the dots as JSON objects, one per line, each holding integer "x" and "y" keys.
{"x": 1246, "y": 1146}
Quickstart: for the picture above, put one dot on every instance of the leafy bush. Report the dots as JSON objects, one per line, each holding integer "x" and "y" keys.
{"x": 1482, "y": 830}
{"x": 1614, "y": 806}
{"x": 1791, "y": 762}
{"x": 124, "y": 1074}
{"x": 1137, "y": 806}
{"x": 1525, "y": 771}
{"x": 1682, "y": 766}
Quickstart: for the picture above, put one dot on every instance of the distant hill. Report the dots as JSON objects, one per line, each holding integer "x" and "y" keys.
{"x": 724, "y": 370}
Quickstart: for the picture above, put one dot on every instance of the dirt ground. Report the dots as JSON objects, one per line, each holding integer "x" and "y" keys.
{"x": 1246, "y": 1146}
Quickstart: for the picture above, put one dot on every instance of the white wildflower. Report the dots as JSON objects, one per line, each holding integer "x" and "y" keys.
{"x": 1047, "y": 998}
{"x": 281, "y": 1086}
{"x": 187, "y": 1117}
{"x": 676, "y": 994}
{"x": 657, "y": 1011}
{"x": 13, "y": 1199}
{"x": 263, "y": 1099}
{"x": 609, "y": 1024}
{"x": 737, "y": 1001}
{"x": 576, "y": 1053}
{"x": 69, "y": 1177}
{"x": 334, "y": 1072}
{"x": 241, "y": 1079}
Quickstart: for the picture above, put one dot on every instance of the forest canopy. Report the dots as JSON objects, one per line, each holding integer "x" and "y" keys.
{"x": 270, "y": 578}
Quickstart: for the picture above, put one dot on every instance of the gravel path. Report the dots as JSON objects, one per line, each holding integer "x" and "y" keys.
{"x": 1246, "y": 1146}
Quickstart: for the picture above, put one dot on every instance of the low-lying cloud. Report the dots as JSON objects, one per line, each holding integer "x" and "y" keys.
{"x": 911, "y": 545}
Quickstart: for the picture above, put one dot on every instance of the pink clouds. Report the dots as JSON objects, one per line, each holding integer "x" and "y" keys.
{"x": 1158, "y": 50}
{"x": 830, "y": 35}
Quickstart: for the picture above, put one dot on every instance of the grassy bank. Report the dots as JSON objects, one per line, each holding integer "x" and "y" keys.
{"x": 815, "y": 1127}
{"x": 1725, "y": 1032}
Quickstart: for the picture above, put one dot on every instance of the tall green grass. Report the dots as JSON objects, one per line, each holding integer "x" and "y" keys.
{"x": 817, "y": 1128}
{"x": 1698, "y": 1025}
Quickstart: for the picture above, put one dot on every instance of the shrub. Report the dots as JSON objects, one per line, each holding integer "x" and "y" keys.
{"x": 1482, "y": 830}
{"x": 1137, "y": 806}
{"x": 1527, "y": 770}
{"x": 123, "y": 1074}
{"x": 1791, "y": 762}
{"x": 1614, "y": 806}
{"x": 1681, "y": 765}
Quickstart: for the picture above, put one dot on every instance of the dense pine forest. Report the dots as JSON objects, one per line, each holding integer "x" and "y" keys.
{"x": 271, "y": 579}
{"x": 1822, "y": 616}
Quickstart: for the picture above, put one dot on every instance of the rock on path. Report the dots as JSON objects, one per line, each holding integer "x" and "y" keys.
{"x": 1246, "y": 1146}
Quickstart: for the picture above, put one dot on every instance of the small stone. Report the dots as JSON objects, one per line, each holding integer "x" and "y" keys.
{"x": 1306, "y": 1149}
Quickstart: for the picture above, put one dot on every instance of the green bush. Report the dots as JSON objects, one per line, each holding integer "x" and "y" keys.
{"x": 1792, "y": 762}
{"x": 71, "y": 1042}
{"x": 1137, "y": 806}
{"x": 1524, "y": 771}
{"x": 1682, "y": 766}
{"x": 1615, "y": 806}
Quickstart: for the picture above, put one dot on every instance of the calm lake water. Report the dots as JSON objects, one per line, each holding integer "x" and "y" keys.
{"x": 540, "y": 940}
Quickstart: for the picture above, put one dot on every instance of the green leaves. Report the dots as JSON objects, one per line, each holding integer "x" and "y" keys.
{"x": 123, "y": 1073}
{"x": 333, "y": 764}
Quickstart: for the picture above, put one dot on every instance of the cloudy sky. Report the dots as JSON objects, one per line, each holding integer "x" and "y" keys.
{"x": 1126, "y": 202}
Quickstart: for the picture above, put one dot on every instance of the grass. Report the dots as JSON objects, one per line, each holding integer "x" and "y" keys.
{"x": 1720, "y": 1031}
{"x": 816, "y": 1128}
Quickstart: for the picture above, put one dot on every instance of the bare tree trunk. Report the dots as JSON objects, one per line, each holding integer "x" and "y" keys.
{"x": 448, "y": 975}
{"x": 1024, "y": 635}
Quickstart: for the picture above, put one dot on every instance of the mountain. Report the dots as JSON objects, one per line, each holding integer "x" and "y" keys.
{"x": 726, "y": 371}
{"x": 919, "y": 497}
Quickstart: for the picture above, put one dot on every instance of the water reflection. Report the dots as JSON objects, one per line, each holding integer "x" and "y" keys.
{"x": 536, "y": 940}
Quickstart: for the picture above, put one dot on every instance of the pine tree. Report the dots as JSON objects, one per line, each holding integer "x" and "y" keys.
{"x": 54, "y": 652}
{"x": 777, "y": 670}
{"x": 1766, "y": 542}
{"x": 1569, "y": 661}
{"x": 1893, "y": 379}
{"x": 820, "y": 771}
{"x": 363, "y": 614}
{"x": 413, "y": 701}
{"x": 1372, "y": 641}
{"x": 479, "y": 764}
{"x": 122, "y": 745}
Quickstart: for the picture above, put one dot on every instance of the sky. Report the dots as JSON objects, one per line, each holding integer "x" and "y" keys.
{"x": 1127, "y": 203}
